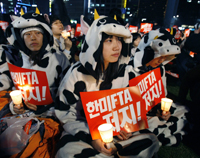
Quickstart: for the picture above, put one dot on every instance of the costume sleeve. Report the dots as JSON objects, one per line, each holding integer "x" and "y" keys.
{"x": 69, "y": 109}
{"x": 5, "y": 79}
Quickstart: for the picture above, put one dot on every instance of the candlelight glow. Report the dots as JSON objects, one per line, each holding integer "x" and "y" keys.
{"x": 65, "y": 34}
{"x": 166, "y": 104}
{"x": 25, "y": 88}
{"x": 16, "y": 96}
{"x": 106, "y": 132}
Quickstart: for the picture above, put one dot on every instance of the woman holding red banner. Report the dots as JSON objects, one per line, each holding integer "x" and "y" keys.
{"x": 103, "y": 65}
{"x": 32, "y": 36}
{"x": 156, "y": 49}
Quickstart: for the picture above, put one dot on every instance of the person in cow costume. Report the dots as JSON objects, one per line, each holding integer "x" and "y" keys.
{"x": 103, "y": 65}
{"x": 157, "y": 48}
{"x": 31, "y": 35}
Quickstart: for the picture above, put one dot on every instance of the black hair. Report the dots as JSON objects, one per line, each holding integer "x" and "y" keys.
{"x": 135, "y": 36}
{"x": 112, "y": 69}
{"x": 53, "y": 18}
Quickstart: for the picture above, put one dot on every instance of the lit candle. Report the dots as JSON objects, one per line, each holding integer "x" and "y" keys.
{"x": 166, "y": 104}
{"x": 65, "y": 34}
{"x": 16, "y": 96}
{"x": 106, "y": 132}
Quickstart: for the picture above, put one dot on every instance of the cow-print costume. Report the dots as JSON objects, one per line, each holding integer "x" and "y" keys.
{"x": 76, "y": 138}
{"x": 54, "y": 64}
{"x": 154, "y": 44}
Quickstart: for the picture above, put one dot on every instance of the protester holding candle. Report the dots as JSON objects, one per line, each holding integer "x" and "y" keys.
{"x": 32, "y": 36}
{"x": 156, "y": 49}
{"x": 62, "y": 42}
{"x": 103, "y": 65}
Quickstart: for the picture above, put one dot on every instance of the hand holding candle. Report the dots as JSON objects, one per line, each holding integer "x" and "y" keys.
{"x": 17, "y": 100}
{"x": 106, "y": 132}
{"x": 166, "y": 104}
{"x": 65, "y": 34}
{"x": 16, "y": 96}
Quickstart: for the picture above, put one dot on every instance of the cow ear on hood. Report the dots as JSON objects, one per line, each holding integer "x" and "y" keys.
{"x": 13, "y": 17}
{"x": 127, "y": 25}
{"x": 84, "y": 25}
{"x": 46, "y": 17}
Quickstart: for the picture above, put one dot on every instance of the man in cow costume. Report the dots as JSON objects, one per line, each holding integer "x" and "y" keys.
{"x": 156, "y": 49}
{"x": 103, "y": 65}
{"x": 31, "y": 35}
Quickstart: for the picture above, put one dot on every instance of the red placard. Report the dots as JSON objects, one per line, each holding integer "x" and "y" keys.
{"x": 187, "y": 32}
{"x": 177, "y": 35}
{"x": 122, "y": 107}
{"x": 146, "y": 27}
{"x": 4, "y": 24}
{"x": 32, "y": 83}
{"x": 78, "y": 30}
{"x": 151, "y": 87}
{"x": 133, "y": 29}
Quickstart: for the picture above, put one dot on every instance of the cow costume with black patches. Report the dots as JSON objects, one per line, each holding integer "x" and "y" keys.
{"x": 155, "y": 44}
{"x": 47, "y": 59}
{"x": 76, "y": 139}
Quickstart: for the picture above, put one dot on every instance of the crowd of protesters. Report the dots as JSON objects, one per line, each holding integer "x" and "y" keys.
{"x": 105, "y": 56}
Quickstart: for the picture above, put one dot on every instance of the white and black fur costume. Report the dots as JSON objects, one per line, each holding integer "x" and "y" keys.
{"x": 76, "y": 138}
{"x": 154, "y": 44}
{"x": 54, "y": 64}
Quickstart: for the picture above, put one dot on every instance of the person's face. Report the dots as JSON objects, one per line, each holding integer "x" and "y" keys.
{"x": 136, "y": 42}
{"x": 57, "y": 27}
{"x": 156, "y": 62}
{"x": 33, "y": 40}
{"x": 112, "y": 47}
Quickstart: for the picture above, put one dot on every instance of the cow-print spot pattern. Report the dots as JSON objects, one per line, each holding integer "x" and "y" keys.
{"x": 79, "y": 87}
{"x": 82, "y": 70}
{"x": 3, "y": 58}
{"x": 147, "y": 56}
{"x": 85, "y": 47}
{"x": 69, "y": 97}
{"x": 44, "y": 62}
{"x": 146, "y": 38}
{"x": 63, "y": 107}
{"x": 131, "y": 75}
{"x": 141, "y": 145}
{"x": 163, "y": 139}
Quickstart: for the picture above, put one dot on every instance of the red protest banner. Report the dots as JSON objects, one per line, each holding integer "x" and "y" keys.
{"x": 122, "y": 107}
{"x": 187, "y": 32}
{"x": 133, "y": 29}
{"x": 151, "y": 87}
{"x": 78, "y": 30}
{"x": 177, "y": 35}
{"x": 32, "y": 83}
{"x": 4, "y": 25}
{"x": 146, "y": 27}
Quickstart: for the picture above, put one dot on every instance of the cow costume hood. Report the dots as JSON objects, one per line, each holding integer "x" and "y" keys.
{"x": 91, "y": 48}
{"x": 154, "y": 44}
{"x": 29, "y": 20}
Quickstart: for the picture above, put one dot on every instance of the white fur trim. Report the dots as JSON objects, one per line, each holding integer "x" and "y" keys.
{"x": 31, "y": 29}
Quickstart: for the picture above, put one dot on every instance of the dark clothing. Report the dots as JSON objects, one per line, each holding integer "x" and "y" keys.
{"x": 191, "y": 81}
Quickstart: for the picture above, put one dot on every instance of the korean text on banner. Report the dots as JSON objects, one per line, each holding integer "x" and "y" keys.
{"x": 151, "y": 87}
{"x": 146, "y": 27}
{"x": 122, "y": 107}
{"x": 32, "y": 83}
